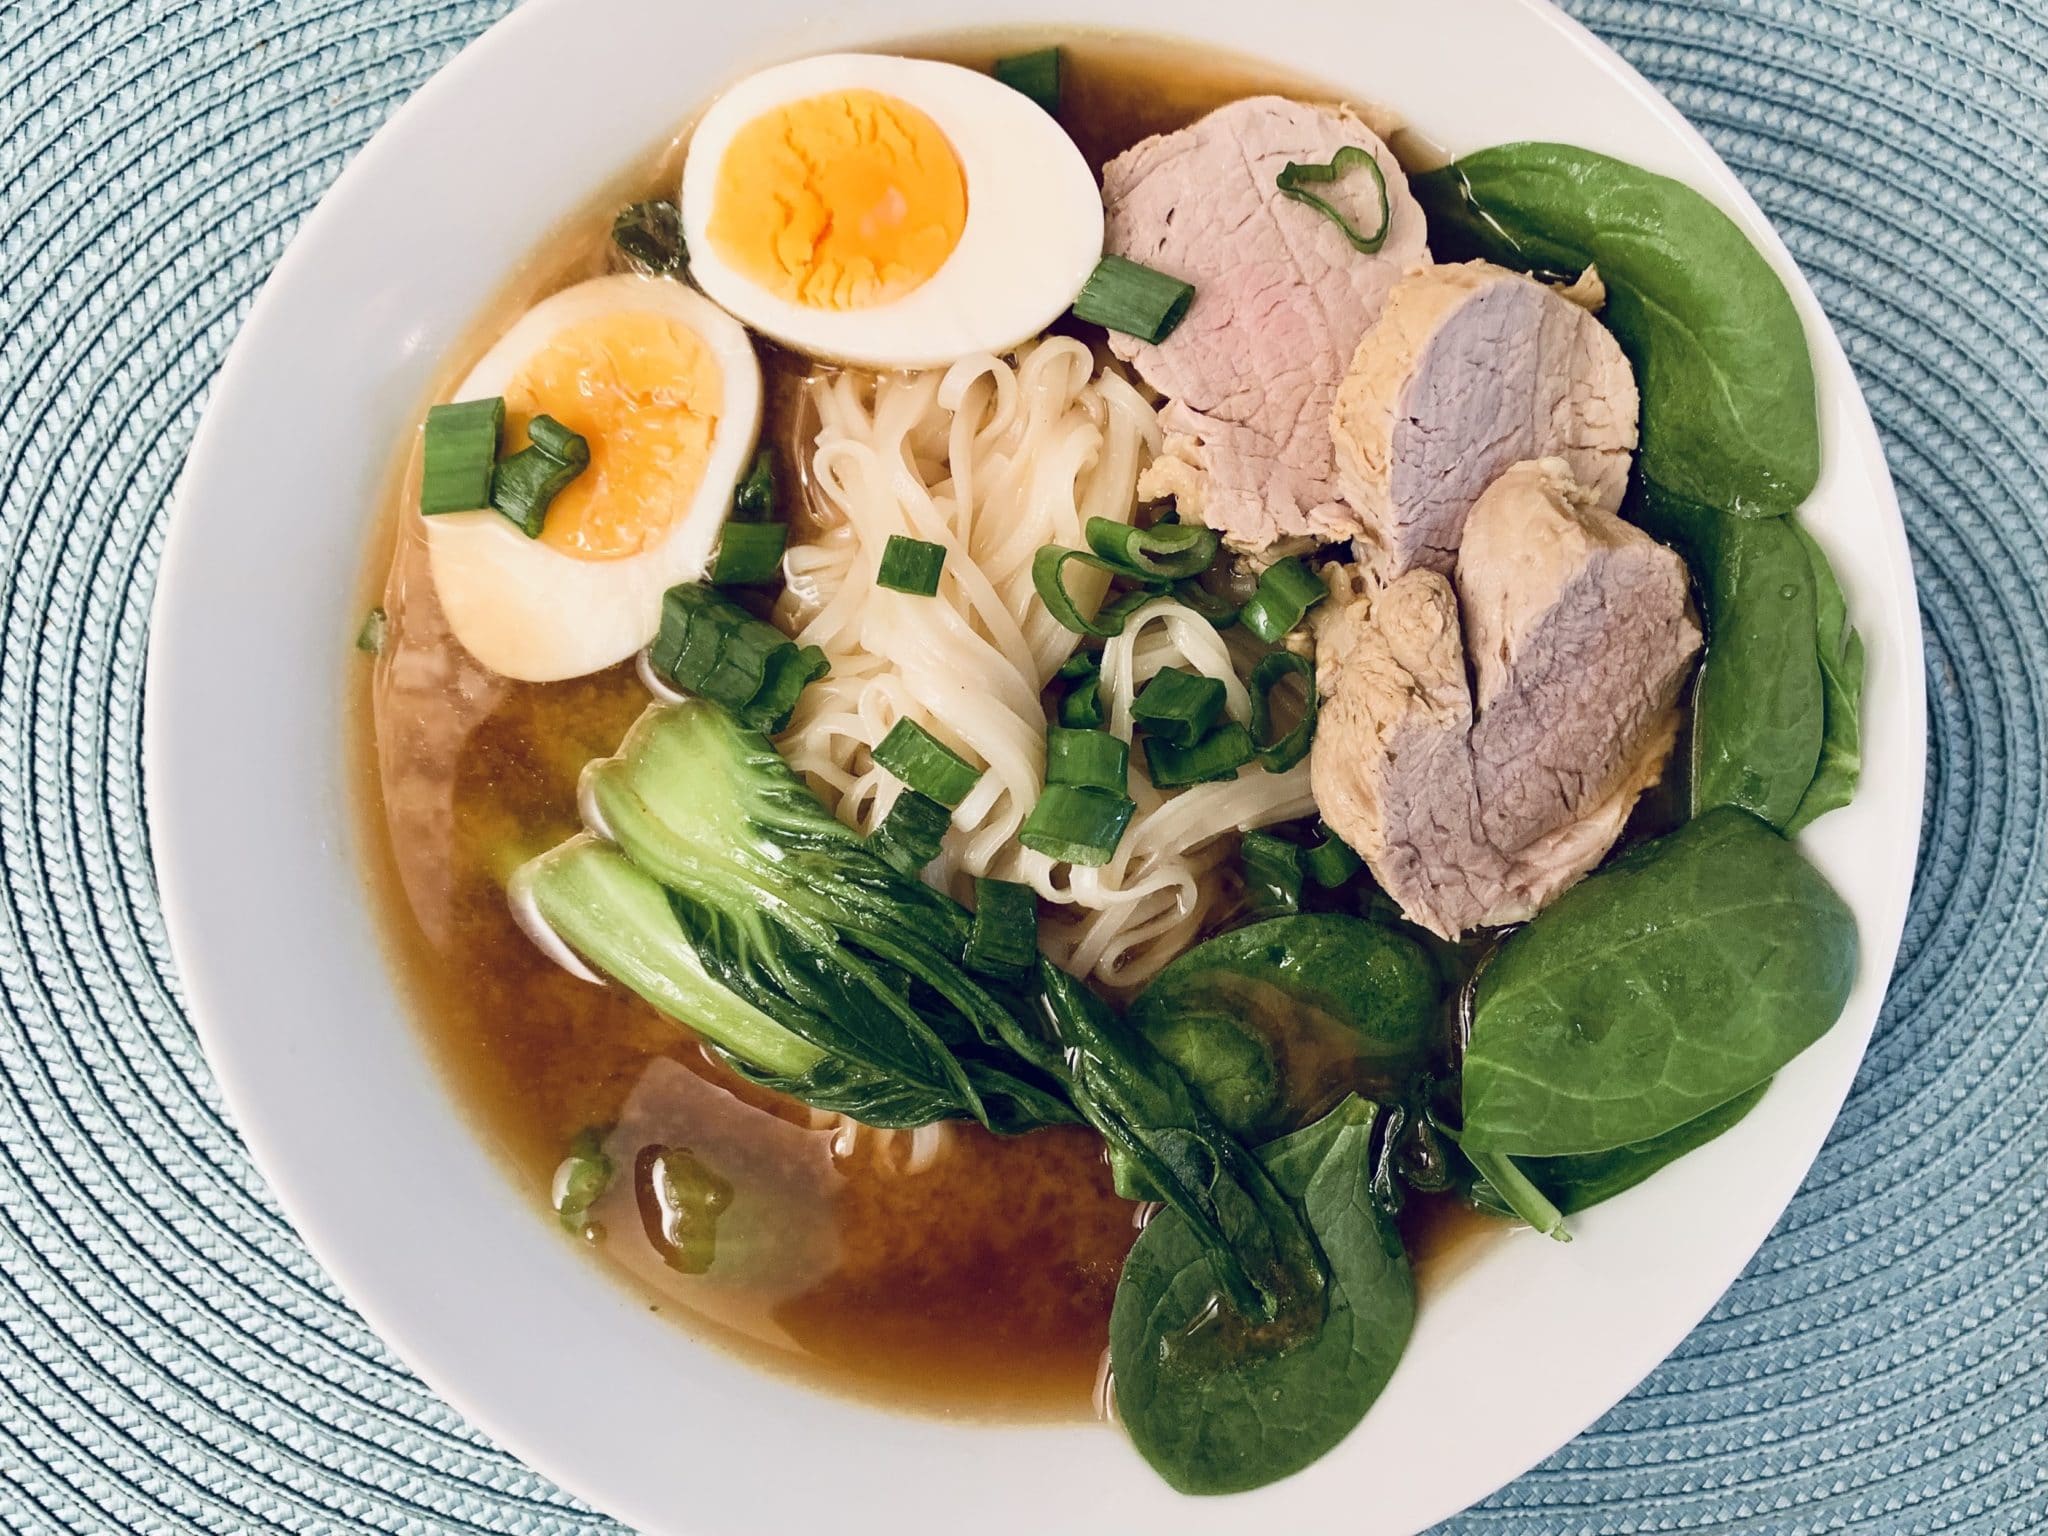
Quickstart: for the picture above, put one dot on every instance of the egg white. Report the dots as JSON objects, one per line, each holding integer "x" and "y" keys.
{"x": 1033, "y": 231}
{"x": 530, "y": 612}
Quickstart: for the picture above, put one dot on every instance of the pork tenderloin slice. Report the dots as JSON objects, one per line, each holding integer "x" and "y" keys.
{"x": 1469, "y": 369}
{"x": 1281, "y": 299}
{"x": 1581, "y": 633}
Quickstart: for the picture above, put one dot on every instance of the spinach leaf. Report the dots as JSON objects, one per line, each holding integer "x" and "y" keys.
{"x": 1275, "y": 1022}
{"x": 1728, "y": 408}
{"x": 1682, "y": 975}
{"x": 1841, "y": 670}
{"x": 1217, "y": 1405}
{"x": 1758, "y": 709}
{"x": 1577, "y": 1182}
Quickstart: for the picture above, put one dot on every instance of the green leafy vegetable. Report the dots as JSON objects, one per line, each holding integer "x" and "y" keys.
{"x": 1758, "y": 705}
{"x": 580, "y": 1179}
{"x": 1272, "y": 874}
{"x": 1004, "y": 938}
{"x": 1272, "y": 1023}
{"x": 524, "y": 484}
{"x": 1841, "y": 670}
{"x": 1513, "y": 1190}
{"x": 1217, "y": 1406}
{"x": 1295, "y": 179}
{"x": 709, "y": 646}
{"x": 1728, "y": 408}
{"x": 1674, "y": 980}
{"x": 1331, "y": 862}
{"x": 1576, "y": 1183}
{"x": 649, "y": 236}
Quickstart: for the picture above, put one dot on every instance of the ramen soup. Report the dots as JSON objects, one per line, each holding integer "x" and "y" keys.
{"x": 1035, "y": 727}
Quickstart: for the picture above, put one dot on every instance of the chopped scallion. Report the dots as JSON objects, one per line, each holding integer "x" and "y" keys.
{"x": 1272, "y": 873}
{"x": 1049, "y": 576}
{"x": 753, "y": 500}
{"x": 581, "y": 1179}
{"x": 926, "y": 764}
{"x": 1296, "y": 178}
{"x": 1331, "y": 862}
{"x": 911, "y": 834}
{"x": 1093, "y": 759}
{"x": 1287, "y": 590}
{"x": 1178, "y": 707}
{"x": 1219, "y": 611}
{"x": 1080, "y": 706}
{"x": 650, "y": 236}
{"x": 1217, "y": 755}
{"x": 911, "y": 565}
{"x": 749, "y": 553}
{"x": 709, "y": 646}
{"x": 370, "y": 638}
{"x": 459, "y": 447}
{"x": 1127, "y": 296}
{"x": 1281, "y": 753}
{"x": 1004, "y": 938}
{"x": 524, "y": 483}
{"x": 1035, "y": 74}
{"x": 1077, "y": 825}
{"x": 1163, "y": 552}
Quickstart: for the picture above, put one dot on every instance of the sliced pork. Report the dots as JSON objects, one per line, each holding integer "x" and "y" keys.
{"x": 1471, "y": 368}
{"x": 1473, "y": 812}
{"x": 1281, "y": 300}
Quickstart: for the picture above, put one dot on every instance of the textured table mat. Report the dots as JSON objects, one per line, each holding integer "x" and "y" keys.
{"x": 171, "y": 1360}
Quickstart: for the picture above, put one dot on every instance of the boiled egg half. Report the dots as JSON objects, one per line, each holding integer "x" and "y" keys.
{"x": 888, "y": 212}
{"x": 665, "y": 387}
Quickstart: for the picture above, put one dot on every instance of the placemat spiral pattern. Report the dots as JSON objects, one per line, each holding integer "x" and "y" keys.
{"x": 171, "y": 1360}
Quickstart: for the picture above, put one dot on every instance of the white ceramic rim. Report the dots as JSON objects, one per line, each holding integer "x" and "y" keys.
{"x": 304, "y": 1027}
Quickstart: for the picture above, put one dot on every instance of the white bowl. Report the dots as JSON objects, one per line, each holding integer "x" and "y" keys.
{"x": 332, "y": 1085}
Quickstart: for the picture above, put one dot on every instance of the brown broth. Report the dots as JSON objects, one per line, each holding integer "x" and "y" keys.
{"x": 945, "y": 1270}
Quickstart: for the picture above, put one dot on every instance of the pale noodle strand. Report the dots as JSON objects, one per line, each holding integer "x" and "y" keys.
{"x": 991, "y": 459}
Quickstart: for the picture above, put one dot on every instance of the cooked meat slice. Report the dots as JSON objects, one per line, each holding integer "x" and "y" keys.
{"x": 1580, "y": 631}
{"x": 1281, "y": 299}
{"x": 1471, "y": 368}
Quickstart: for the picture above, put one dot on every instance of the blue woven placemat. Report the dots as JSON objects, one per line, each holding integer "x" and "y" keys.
{"x": 171, "y": 1360}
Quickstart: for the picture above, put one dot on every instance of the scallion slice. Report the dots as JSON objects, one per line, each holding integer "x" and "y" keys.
{"x": 1127, "y": 296}
{"x": 1035, "y": 74}
{"x": 650, "y": 236}
{"x": 753, "y": 499}
{"x": 1296, "y": 178}
{"x": 1281, "y": 753}
{"x": 749, "y": 553}
{"x": 1217, "y": 755}
{"x": 1094, "y": 759}
{"x": 711, "y": 647}
{"x": 1163, "y": 552}
{"x": 1287, "y": 590}
{"x": 1331, "y": 862}
{"x": 911, "y": 565}
{"x": 1219, "y": 611}
{"x": 1080, "y": 707}
{"x": 459, "y": 447}
{"x": 370, "y": 638}
{"x": 926, "y": 764}
{"x": 911, "y": 834}
{"x": 1049, "y": 576}
{"x": 1272, "y": 873}
{"x": 1004, "y": 938}
{"x": 1076, "y": 824}
{"x": 525, "y": 482}
{"x": 1178, "y": 707}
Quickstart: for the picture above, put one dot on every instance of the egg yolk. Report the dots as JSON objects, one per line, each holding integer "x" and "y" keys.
{"x": 645, "y": 391}
{"x": 840, "y": 201}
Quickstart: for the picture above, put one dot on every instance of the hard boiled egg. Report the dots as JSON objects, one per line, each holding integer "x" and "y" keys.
{"x": 666, "y": 388}
{"x": 896, "y": 213}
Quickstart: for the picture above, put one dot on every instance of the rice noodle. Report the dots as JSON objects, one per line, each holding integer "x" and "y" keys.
{"x": 991, "y": 459}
